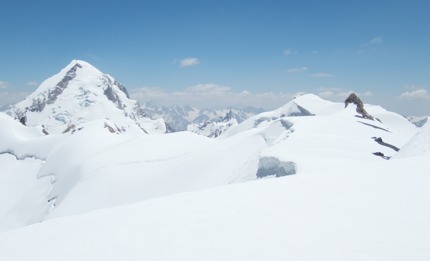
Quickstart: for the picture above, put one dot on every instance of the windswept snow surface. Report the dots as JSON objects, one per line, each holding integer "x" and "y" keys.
{"x": 23, "y": 196}
{"x": 418, "y": 145}
{"x": 150, "y": 166}
{"x": 93, "y": 168}
{"x": 378, "y": 213}
{"x": 131, "y": 196}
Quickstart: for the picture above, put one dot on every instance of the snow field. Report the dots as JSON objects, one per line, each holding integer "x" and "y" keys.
{"x": 132, "y": 196}
{"x": 335, "y": 216}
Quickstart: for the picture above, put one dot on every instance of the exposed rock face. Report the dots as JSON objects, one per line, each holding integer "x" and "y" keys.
{"x": 23, "y": 120}
{"x": 51, "y": 96}
{"x": 69, "y": 128}
{"x": 122, "y": 88}
{"x": 353, "y": 98}
{"x": 228, "y": 116}
{"x": 270, "y": 166}
{"x": 381, "y": 142}
{"x": 301, "y": 112}
{"x": 418, "y": 121}
{"x": 382, "y": 155}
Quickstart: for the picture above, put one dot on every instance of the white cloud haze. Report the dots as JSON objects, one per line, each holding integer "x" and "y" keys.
{"x": 289, "y": 52}
{"x": 321, "y": 75}
{"x": 339, "y": 94}
{"x": 415, "y": 95}
{"x": 3, "y": 85}
{"x": 374, "y": 41}
{"x": 296, "y": 70}
{"x": 32, "y": 83}
{"x": 12, "y": 97}
{"x": 212, "y": 95}
{"x": 190, "y": 61}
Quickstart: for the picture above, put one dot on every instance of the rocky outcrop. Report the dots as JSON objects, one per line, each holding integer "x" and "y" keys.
{"x": 382, "y": 155}
{"x": 122, "y": 88}
{"x": 381, "y": 142}
{"x": 111, "y": 94}
{"x": 273, "y": 167}
{"x": 51, "y": 96}
{"x": 301, "y": 112}
{"x": 353, "y": 98}
{"x": 418, "y": 121}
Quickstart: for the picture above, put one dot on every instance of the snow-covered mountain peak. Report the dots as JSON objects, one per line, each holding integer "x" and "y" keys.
{"x": 82, "y": 64}
{"x": 80, "y": 93}
{"x": 75, "y": 69}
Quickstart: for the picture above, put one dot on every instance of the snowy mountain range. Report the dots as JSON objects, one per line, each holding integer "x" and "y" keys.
{"x": 311, "y": 180}
{"x": 214, "y": 128}
{"x": 178, "y": 118}
{"x": 81, "y": 93}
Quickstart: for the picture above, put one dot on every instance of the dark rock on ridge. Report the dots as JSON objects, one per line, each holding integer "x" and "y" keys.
{"x": 353, "y": 98}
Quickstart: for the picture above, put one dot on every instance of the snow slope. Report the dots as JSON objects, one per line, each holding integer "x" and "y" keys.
{"x": 418, "y": 145}
{"x": 129, "y": 196}
{"x": 93, "y": 168}
{"x": 13, "y": 133}
{"x": 292, "y": 108}
{"x": 358, "y": 215}
{"x": 147, "y": 167}
{"x": 23, "y": 196}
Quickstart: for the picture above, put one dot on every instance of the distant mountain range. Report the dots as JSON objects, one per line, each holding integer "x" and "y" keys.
{"x": 207, "y": 122}
{"x": 80, "y": 93}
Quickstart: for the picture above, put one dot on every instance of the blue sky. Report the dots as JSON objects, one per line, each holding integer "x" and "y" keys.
{"x": 223, "y": 51}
